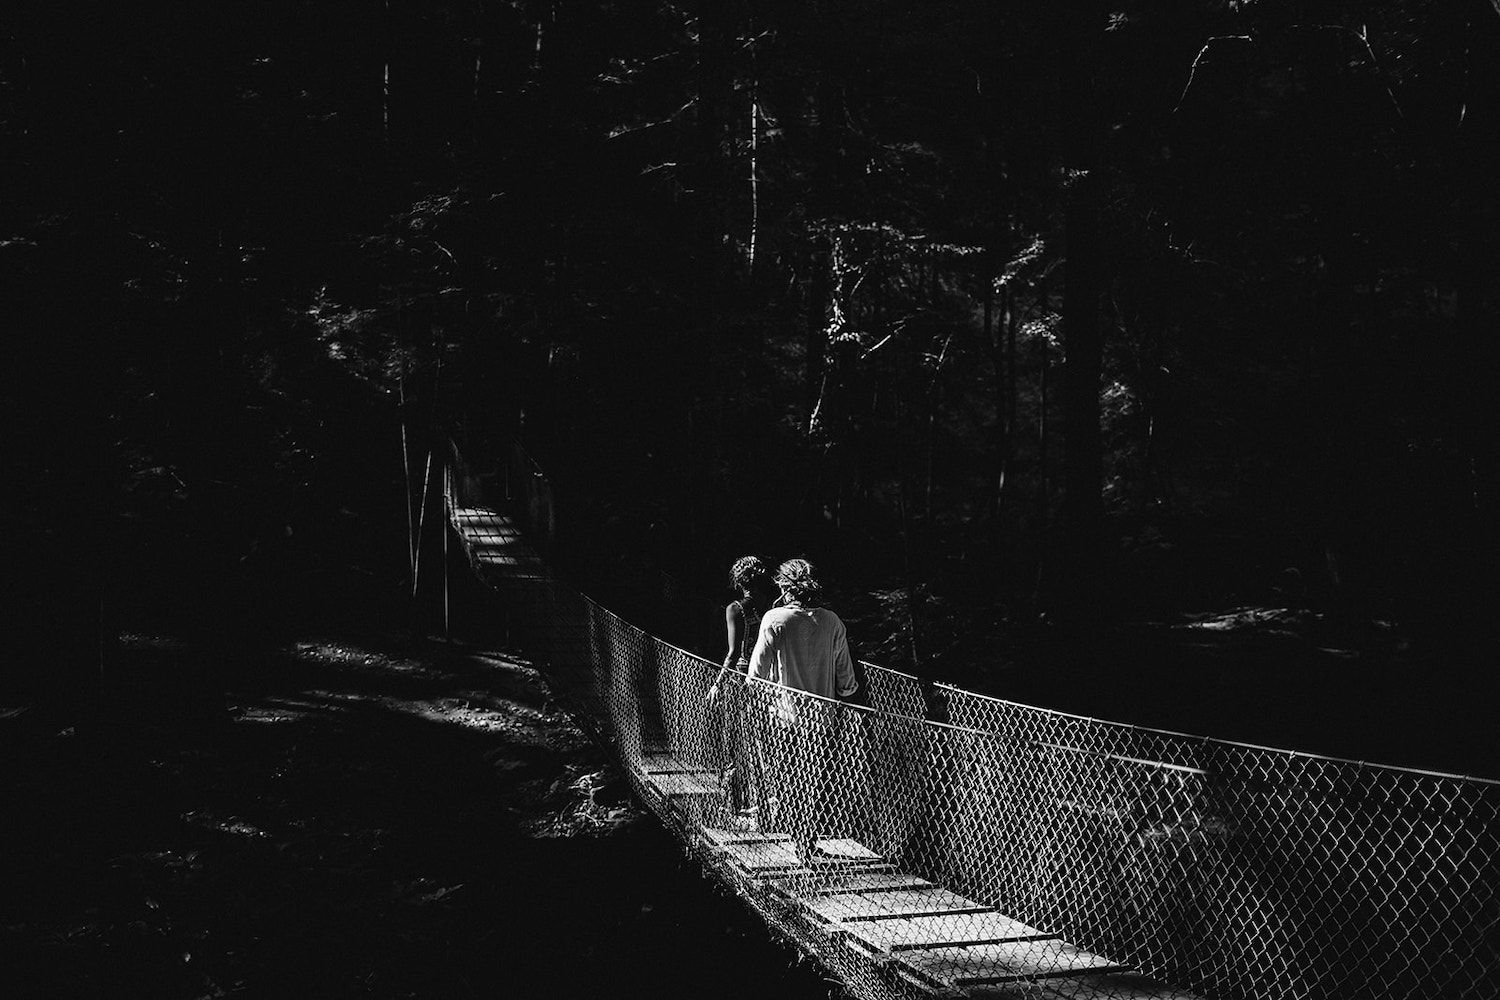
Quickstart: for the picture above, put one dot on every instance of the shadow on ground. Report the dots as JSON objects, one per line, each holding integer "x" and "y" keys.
{"x": 364, "y": 819}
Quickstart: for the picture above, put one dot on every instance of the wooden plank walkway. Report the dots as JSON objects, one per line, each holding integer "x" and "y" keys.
{"x": 496, "y": 543}
{"x": 935, "y": 939}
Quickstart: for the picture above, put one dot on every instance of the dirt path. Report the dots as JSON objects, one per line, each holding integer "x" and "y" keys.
{"x": 363, "y": 821}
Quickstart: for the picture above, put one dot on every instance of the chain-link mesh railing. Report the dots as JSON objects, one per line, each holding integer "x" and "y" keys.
{"x": 1012, "y": 851}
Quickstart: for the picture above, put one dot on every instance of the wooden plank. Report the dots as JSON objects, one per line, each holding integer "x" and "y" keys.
{"x": 495, "y": 542}
{"x": 671, "y": 763}
{"x": 672, "y": 785}
{"x": 480, "y": 539}
{"x": 800, "y": 883}
{"x": 958, "y": 967}
{"x": 723, "y": 838}
{"x": 845, "y": 849}
{"x": 838, "y": 859}
{"x": 492, "y": 534}
{"x": 940, "y": 930}
{"x": 508, "y": 566}
{"x": 498, "y": 543}
{"x": 894, "y": 903}
{"x": 764, "y": 855}
{"x": 479, "y": 520}
{"x": 871, "y": 880}
{"x": 479, "y": 517}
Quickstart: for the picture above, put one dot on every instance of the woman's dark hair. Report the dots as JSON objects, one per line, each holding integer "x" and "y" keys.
{"x": 799, "y": 580}
{"x": 748, "y": 573}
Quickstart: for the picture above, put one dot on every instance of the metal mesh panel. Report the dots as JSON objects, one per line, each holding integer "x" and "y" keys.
{"x": 1012, "y": 851}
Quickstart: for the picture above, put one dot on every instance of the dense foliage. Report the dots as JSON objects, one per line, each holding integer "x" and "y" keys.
{"x": 999, "y": 310}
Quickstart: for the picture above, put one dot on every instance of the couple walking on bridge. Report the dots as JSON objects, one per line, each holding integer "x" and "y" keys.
{"x": 779, "y": 632}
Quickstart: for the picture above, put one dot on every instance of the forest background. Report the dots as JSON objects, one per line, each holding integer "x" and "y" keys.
{"x": 1134, "y": 358}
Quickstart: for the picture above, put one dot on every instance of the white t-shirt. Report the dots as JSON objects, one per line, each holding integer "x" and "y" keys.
{"x": 804, "y": 648}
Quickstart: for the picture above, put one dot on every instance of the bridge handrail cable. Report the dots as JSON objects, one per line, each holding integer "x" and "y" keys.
{"x": 1009, "y": 850}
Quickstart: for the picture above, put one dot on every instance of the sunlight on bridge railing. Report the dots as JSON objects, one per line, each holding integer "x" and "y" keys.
{"x": 942, "y": 842}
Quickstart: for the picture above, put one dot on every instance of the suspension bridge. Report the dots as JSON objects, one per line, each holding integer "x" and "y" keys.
{"x": 992, "y": 849}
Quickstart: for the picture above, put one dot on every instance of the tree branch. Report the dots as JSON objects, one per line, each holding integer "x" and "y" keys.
{"x": 1374, "y": 60}
{"x": 1197, "y": 60}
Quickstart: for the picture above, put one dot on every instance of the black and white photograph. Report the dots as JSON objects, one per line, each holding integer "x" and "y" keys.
{"x": 813, "y": 499}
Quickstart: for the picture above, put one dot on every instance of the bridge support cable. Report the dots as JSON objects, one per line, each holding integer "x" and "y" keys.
{"x": 1010, "y": 851}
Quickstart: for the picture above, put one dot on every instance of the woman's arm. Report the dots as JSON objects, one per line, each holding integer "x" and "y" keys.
{"x": 734, "y": 626}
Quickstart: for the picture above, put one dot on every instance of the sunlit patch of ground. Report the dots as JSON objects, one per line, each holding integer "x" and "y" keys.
{"x": 566, "y": 788}
{"x": 347, "y": 818}
{"x": 209, "y": 820}
{"x": 1287, "y": 620}
{"x": 317, "y": 834}
{"x": 358, "y": 657}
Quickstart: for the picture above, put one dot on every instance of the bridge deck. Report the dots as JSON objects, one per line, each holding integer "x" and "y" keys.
{"x": 937, "y": 940}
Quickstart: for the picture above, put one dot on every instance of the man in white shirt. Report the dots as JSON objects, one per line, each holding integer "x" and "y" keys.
{"x": 800, "y": 645}
{"x": 804, "y": 647}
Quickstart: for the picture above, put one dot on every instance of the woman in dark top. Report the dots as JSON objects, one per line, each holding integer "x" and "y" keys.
{"x": 750, "y": 578}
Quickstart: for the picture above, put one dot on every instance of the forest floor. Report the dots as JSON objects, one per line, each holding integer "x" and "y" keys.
{"x": 362, "y": 816}
{"x": 1288, "y": 679}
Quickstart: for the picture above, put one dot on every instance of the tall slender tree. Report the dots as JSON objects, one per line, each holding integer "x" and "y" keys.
{"x": 1081, "y": 32}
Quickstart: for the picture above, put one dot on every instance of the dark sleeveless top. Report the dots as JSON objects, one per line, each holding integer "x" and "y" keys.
{"x": 750, "y": 630}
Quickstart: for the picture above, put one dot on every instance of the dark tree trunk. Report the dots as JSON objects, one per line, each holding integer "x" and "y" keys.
{"x": 709, "y": 172}
{"x": 992, "y": 342}
{"x": 999, "y": 338}
{"x": 1477, "y": 212}
{"x": 821, "y": 199}
{"x": 1012, "y": 320}
{"x": 1044, "y": 379}
{"x": 1083, "y": 514}
{"x": 816, "y": 361}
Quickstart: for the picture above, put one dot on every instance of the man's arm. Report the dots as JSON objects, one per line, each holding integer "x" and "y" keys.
{"x": 763, "y": 659}
{"x": 844, "y": 682}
